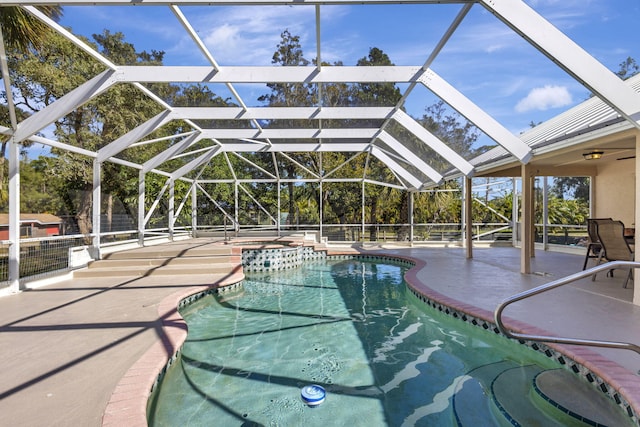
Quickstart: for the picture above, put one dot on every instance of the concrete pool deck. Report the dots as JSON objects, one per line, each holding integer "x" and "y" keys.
{"x": 73, "y": 350}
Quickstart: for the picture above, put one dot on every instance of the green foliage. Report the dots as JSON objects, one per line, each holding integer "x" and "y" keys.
{"x": 375, "y": 94}
{"x": 444, "y": 204}
{"x": 628, "y": 68}
{"x": 565, "y": 212}
{"x": 21, "y": 30}
{"x": 571, "y": 187}
{"x": 561, "y": 211}
{"x": 288, "y": 53}
{"x": 37, "y": 189}
{"x": 451, "y": 128}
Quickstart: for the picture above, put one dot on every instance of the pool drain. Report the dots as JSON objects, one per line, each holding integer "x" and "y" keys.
{"x": 313, "y": 395}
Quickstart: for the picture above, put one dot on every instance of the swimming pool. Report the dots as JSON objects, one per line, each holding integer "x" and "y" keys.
{"x": 352, "y": 327}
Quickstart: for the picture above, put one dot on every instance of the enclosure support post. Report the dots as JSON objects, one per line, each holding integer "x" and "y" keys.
{"x": 96, "y": 209}
{"x": 362, "y": 211}
{"x": 141, "y": 209}
{"x": 411, "y": 217}
{"x": 526, "y": 220}
{"x": 320, "y": 209}
{"x": 463, "y": 213}
{"x": 171, "y": 213}
{"x": 14, "y": 216}
{"x": 592, "y": 197}
{"x": 468, "y": 217}
{"x": 194, "y": 210}
{"x": 279, "y": 211}
{"x": 532, "y": 216}
{"x": 636, "y": 288}
{"x": 235, "y": 212}
{"x": 545, "y": 213}
{"x": 514, "y": 212}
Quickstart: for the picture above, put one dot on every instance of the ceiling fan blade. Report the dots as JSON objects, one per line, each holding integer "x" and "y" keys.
{"x": 625, "y": 158}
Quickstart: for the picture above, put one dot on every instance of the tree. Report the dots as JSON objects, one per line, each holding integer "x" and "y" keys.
{"x": 628, "y": 68}
{"x": 23, "y": 31}
{"x": 43, "y": 76}
{"x": 571, "y": 187}
{"x": 452, "y": 129}
{"x": 288, "y": 53}
{"x": 375, "y": 95}
{"x": 37, "y": 188}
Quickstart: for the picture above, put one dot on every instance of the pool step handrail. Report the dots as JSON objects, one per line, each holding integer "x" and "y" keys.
{"x": 556, "y": 284}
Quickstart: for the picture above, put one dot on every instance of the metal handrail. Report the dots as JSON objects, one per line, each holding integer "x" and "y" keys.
{"x": 555, "y": 284}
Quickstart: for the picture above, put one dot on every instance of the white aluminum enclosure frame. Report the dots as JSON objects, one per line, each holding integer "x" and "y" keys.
{"x": 519, "y": 17}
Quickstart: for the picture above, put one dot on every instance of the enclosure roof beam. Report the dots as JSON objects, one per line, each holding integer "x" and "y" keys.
{"x": 170, "y": 152}
{"x": 277, "y": 113}
{"x": 403, "y": 151}
{"x": 261, "y": 169}
{"x": 395, "y": 167}
{"x": 286, "y": 147}
{"x": 477, "y": 116}
{"x": 198, "y": 41}
{"x": 434, "y": 53}
{"x": 196, "y": 163}
{"x": 268, "y": 74}
{"x": 553, "y": 43}
{"x": 432, "y": 141}
{"x": 91, "y": 154}
{"x": 64, "y": 105}
{"x": 310, "y": 133}
{"x": 133, "y": 136}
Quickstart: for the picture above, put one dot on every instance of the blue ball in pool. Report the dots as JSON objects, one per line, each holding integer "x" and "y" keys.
{"x": 313, "y": 395}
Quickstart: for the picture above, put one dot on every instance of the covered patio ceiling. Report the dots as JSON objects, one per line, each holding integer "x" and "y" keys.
{"x": 307, "y": 131}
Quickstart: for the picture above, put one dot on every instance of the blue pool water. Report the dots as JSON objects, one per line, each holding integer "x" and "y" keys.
{"x": 350, "y": 326}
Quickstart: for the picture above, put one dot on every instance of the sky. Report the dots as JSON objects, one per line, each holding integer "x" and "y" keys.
{"x": 485, "y": 60}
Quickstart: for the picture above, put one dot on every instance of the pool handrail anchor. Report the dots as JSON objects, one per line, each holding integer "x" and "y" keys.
{"x": 556, "y": 284}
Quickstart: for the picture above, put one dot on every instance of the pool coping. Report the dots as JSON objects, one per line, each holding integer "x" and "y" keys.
{"x": 128, "y": 402}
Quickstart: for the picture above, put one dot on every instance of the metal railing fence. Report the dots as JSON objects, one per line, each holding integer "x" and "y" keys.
{"x": 42, "y": 257}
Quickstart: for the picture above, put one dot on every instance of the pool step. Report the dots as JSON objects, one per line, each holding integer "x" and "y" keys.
{"x": 504, "y": 394}
{"x": 170, "y": 252}
{"x": 162, "y": 270}
{"x": 511, "y": 395}
{"x": 575, "y": 398}
{"x": 157, "y": 262}
{"x": 470, "y": 403}
{"x": 163, "y": 261}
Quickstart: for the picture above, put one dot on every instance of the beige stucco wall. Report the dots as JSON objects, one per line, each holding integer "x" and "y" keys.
{"x": 615, "y": 192}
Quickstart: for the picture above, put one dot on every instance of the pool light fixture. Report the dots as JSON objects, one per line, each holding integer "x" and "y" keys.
{"x": 593, "y": 155}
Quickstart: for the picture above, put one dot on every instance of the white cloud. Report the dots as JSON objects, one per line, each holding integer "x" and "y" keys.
{"x": 249, "y": 35}
{"x": 544, "y": 98}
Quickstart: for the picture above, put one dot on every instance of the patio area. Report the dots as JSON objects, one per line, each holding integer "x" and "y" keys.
{"x": 66, "y": 346}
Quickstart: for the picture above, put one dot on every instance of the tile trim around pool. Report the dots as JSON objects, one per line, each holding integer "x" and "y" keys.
{"x": 128, "y": 402}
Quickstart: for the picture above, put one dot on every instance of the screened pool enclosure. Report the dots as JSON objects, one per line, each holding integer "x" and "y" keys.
{"x": 321, "y": 153}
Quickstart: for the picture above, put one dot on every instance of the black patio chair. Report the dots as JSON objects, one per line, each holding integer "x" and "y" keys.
{"x": 594, "y": 247}
{"x": 614, "y": 245}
